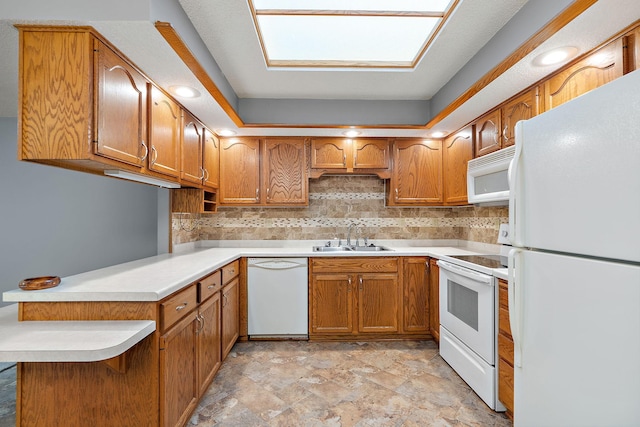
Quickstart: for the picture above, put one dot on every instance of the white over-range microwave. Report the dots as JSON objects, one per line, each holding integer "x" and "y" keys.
{"x": 488, "y": 177}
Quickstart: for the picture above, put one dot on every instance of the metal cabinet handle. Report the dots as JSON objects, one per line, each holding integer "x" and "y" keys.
{"x": 267, "y": 193}
{"x": 201, "y": 174}
{"x": 154, "y": 155}
{"x": 180, "y": 307}
{"x": 257, "y": 194}
{"x": 397, "y": 196}
{"x": 211, "y": 286}
{"x": 360, "y": 280}
{"x": 505, "y": 137}
{"x": 200, "y": 320}
{"x": 146, "y": 151}
{"x": 224, "y": 300}
{"x": 344, "y": 160}
{"x": 206, "y": 178}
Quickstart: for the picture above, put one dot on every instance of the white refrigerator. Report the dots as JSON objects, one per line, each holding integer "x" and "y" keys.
{"x": 574, "y": 270}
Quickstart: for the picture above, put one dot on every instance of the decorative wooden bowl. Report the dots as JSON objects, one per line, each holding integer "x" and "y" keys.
{"x": 37, "y": 283}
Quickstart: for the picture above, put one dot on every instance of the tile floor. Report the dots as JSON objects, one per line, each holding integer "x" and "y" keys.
{"x": 296, "y": 383}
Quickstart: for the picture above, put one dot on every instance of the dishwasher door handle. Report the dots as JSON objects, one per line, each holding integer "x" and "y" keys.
{"x": 276, "y": 265}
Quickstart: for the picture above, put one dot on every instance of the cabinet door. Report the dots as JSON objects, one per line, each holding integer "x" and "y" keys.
{"x": 457, "y": 151}
{"x": 417, "y": 173}
{"x": 230, "y": 315}
{"x": 121, "y": 110}
{"x": 416, "y": 295}
{"x": 178, "y": 389}
{"x": 329, "y": 153}
{"x": 377, "y": 302}
{"x": 434, "y": 298}
{"x": 192, "y": 129}
{"x": 331, "y": 304}
{"x": 285, "y": 172}
{"x": 211, "y": 159}
{"x": 603, "y": 66}
{"x": 164, "y": 134}
{"x": 488, "y": 133}
{"x": 240, "y": 171}
{"x": 522, "y": 107}
{"x": 370, "y": 154}
{"x": 209, "y": 342}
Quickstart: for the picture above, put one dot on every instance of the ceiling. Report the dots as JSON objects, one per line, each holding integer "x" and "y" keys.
{"x": 479, "y": 35}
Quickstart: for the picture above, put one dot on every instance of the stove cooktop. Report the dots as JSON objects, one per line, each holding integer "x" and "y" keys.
{"x": 489, "y": 261}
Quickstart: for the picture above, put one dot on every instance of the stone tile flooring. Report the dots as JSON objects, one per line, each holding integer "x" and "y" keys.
{"x": 296, "y": 383}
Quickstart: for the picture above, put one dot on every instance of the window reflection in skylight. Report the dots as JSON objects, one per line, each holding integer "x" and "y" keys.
{"x": 347, "y": 33}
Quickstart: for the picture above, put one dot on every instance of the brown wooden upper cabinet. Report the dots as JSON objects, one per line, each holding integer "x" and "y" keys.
{"x": 487, "y": 131}
{"x": 211, "y": 159}
{"x": 164, "y": 134}
{"x": 416, "y": 178}
{"x": 192, "y": 138}
{"x": 521, "y": 107}
{"x": 344, "y": 155}
{"x": 269, "y": 172}
{"x": 457, "y": 151}
{"x": 69, "y": 123}
{"x": 600, "y": 67}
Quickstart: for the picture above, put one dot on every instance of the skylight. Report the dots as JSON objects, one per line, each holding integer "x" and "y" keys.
{"x": 347, "y": 33}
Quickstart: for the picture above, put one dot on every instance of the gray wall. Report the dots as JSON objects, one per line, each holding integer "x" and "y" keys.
{"x": 61, "y": 222}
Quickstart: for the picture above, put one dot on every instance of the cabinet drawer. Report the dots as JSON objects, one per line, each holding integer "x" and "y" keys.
{"x": 505, "y": 384}
{"x": 354, "y": 265}
{"x": 174, "y": 308}
{"x": 505, "y": 348}
{"x": 209, "y": 285}
{"x": 230, "y": 271}
{"x": 503, "y": 321}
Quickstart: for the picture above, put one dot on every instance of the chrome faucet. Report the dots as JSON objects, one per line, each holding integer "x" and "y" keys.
{"x": 349, "y": 233}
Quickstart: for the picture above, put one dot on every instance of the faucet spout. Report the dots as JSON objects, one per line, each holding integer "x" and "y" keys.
{"x": 349, "y": 233}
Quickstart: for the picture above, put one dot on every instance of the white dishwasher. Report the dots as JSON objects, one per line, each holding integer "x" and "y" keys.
{"x": 277, "y": 297}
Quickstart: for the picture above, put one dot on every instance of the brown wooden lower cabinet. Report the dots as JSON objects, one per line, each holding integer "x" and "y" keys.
{"x": 416, "y": 310}
{"x": 230, "y": 315}
{"x": 505, "y": 350}
{"x": 434, "y": 298}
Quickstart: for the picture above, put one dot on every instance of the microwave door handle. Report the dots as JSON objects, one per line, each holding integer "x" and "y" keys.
{"x": 476, "y": 277}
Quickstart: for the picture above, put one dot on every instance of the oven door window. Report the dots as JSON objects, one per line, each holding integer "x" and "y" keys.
{"x": 462, "y": 303}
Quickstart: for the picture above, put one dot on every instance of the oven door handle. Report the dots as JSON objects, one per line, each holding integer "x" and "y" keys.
{"x": 476, "y": 277}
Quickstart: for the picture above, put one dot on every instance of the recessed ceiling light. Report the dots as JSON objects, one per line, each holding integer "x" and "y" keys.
{"x": 184, "y": 91}
{"x": 351, "y": 133}
{"x": 437, "y": 134}
{"x": 555, "y": 56}
{"x": 226, "y": 132}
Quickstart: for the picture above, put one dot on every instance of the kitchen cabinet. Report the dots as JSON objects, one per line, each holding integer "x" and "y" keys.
{"x": 94, "y": 117}
{"x": 521, "y": 107}
{"x": 434, "y": 298}
{"x": 457, "y": 150}
{"x": 209, "y": 339}
{"x": 598, "y": 68}
{"x": 230, "y": 306}
{"x": 415, "y": 295}
{"x": 191, "y": 136}
{"x": 345, "y": 155}
{"x": 211, "y": 159}
{"x": 193, "y": 200}
{"x": 505, "y": 349}
{"x": 416, "y": 179}
{"x": 354, "y": 297}
{"x": 164, "y": 134}
{"x": 268, "y": 172}
{"x": 487, "y": 133}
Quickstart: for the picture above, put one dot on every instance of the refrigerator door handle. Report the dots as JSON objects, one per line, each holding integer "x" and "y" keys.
{"x": 512, "y": 173}
{"x": 515, "y": 304}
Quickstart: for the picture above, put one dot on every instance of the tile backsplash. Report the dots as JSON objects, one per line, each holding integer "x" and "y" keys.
{"x": 334, "y": 203}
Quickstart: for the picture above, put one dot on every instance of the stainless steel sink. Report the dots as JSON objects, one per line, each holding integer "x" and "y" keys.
{"x": 331, "y": 249}
{"x": 370, "y": 248}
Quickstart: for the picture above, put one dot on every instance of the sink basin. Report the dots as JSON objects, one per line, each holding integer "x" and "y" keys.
{"x": 331, "y": 249}
{"x": 372, "y": 248}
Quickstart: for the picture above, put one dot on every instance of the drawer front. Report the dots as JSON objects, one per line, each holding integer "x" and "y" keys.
{"x": 505, "y": 384}
{"x": 505, "y": 348}
{"x": 230, "y": 271}
{"x": 209, "y": 285}
{"x": 174, "y": 308}
{"x": 503, "y": 321}
{"x": 354, "y": 265}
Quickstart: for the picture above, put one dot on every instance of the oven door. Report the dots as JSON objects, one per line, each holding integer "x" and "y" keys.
{"x": 467, "y": 308}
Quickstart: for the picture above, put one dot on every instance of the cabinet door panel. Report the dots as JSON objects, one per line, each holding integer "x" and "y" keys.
{"x": 329, "y": 153}
{"x": 417, "y": 173}
{"x": 332, "y": 304}
{"x": 240, "y": 171}
{"x": 377, "y": 303}
{"x": 209, "y": 342}
{"x": 416, "y": 295}
{"x": 457, "y": 151}
{"x": 191, "y": 149}
{"x": 164, "y": 134}
{"x": 178, "y": 390}
{"x": 285, "y": 172}
{"x": 230, "y": 315}
{"x": 211, "y": 159}
{"x": 603, "y": 66}
{"x": 522, "y": 107}
{"x": 488, "y": 133}
{"x": 121, "y": 111}
{"x": 372, "y": 154}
